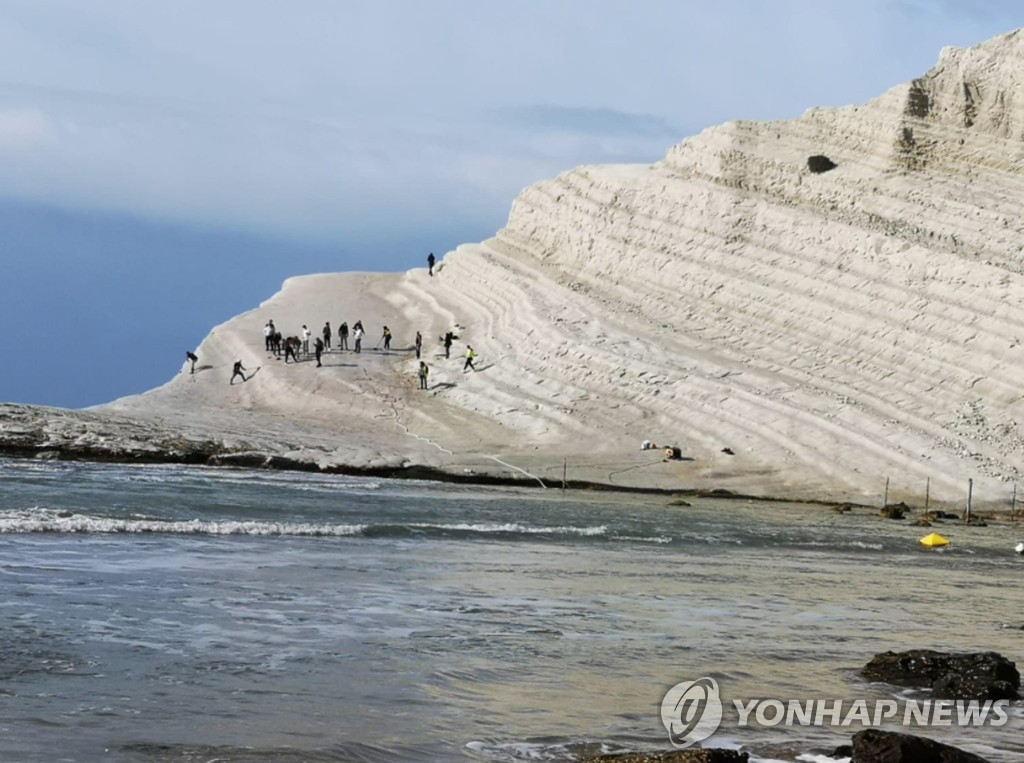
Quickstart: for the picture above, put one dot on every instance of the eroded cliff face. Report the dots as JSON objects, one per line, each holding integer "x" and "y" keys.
{"x": 831, "y": 328}
{"x": 807, "y": 309}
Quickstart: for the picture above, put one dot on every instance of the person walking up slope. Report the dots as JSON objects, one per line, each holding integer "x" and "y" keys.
{"x": 470, "y": 357}
{"x": 238, "y": 371}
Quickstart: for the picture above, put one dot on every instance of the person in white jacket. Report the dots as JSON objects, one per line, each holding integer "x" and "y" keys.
{"x": 306, "y": 334}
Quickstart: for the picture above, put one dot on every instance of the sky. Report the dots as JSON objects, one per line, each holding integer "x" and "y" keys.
{"x": 166, "y": 165}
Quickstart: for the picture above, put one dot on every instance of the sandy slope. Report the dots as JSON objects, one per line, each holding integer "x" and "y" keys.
{"x": 833, "y": 330}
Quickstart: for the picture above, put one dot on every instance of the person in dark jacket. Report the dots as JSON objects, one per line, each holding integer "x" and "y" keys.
{"x": 238, "y": 371}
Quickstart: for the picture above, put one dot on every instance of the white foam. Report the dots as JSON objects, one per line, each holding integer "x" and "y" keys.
{"x": 41, "y": 520}
{"x": 512, "y": 527}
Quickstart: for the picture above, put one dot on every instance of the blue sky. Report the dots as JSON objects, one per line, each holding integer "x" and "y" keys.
{"x": 164, "y": 165}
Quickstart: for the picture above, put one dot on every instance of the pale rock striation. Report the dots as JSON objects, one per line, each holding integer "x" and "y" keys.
{"x": 831, "y": 329}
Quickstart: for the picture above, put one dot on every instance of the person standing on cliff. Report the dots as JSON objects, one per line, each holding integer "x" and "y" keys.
{"x": 239, "y": 369}
{"x": 386, "y": 338}
{"x": 318, "y": 346}
{"x": 430, "y": 264}
{"x": 268, "y": 335}
{"x": 343, "y": 336}
{"x": 424, "y": 372}
{"x": 448, "y": 339}
{"x": 327, "y": 335}
{"x": 306, "y": 334}
{"x": 193, "y": 359}
{"x": 357, "y": 335}
{"x": 419, "y": 344}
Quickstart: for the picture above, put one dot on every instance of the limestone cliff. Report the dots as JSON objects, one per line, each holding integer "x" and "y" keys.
{"x": 857, "y": 323}
{"x": 805, "y": 308}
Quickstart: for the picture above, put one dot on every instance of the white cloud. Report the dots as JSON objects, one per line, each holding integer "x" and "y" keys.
{"x": 24, "y": 129}
{"x": 317, "y": 117}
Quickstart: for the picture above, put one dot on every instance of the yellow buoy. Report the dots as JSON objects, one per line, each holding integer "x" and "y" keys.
{"x": 934, "y": 539}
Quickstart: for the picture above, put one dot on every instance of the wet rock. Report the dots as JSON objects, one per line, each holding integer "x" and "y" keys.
{"x": 894, "y": 510}
{"x": 290, "y": 464}
{"x": 877, "y": 746}
{"x": 976, "y": 675}
{"x": 251, "y": 459}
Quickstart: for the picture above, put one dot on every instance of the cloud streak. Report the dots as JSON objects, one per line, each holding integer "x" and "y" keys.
{"x": 333, "y": 117}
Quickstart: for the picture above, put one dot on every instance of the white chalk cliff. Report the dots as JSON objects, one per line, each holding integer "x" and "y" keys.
{"x": 832, "y": 329}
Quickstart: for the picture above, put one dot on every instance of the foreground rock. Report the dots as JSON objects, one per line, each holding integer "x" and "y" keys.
{"x": 978, "y": 675}
{"x": 876, "y": 746}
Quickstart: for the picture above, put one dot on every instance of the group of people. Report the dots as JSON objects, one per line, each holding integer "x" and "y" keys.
{"x": 290, "y": 347}
{"x": 305, "y": 343}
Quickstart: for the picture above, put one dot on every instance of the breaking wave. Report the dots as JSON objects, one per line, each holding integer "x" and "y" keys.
{"x": 42, "y": 520}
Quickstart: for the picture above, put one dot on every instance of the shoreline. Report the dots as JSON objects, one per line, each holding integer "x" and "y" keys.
{"x": 264, "y": 461}
{"x": 40, "y": 433}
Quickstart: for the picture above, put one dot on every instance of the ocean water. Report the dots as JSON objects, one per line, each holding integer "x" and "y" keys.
{"x": 166, "y": 613}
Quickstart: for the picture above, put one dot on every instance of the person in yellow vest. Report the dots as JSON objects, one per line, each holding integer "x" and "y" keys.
{"x": 470, "y": 356}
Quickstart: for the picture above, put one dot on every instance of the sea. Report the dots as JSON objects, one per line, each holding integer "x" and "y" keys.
{"x": 181, "y": 613}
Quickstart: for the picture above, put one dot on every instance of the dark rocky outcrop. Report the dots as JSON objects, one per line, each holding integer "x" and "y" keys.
{"x": 877, "y": 746}
{"x": 672, "y": 756}
{"x": 977, "y": 675}
{"x": 820, "y": 163}
{"x": 895, "y": 510}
